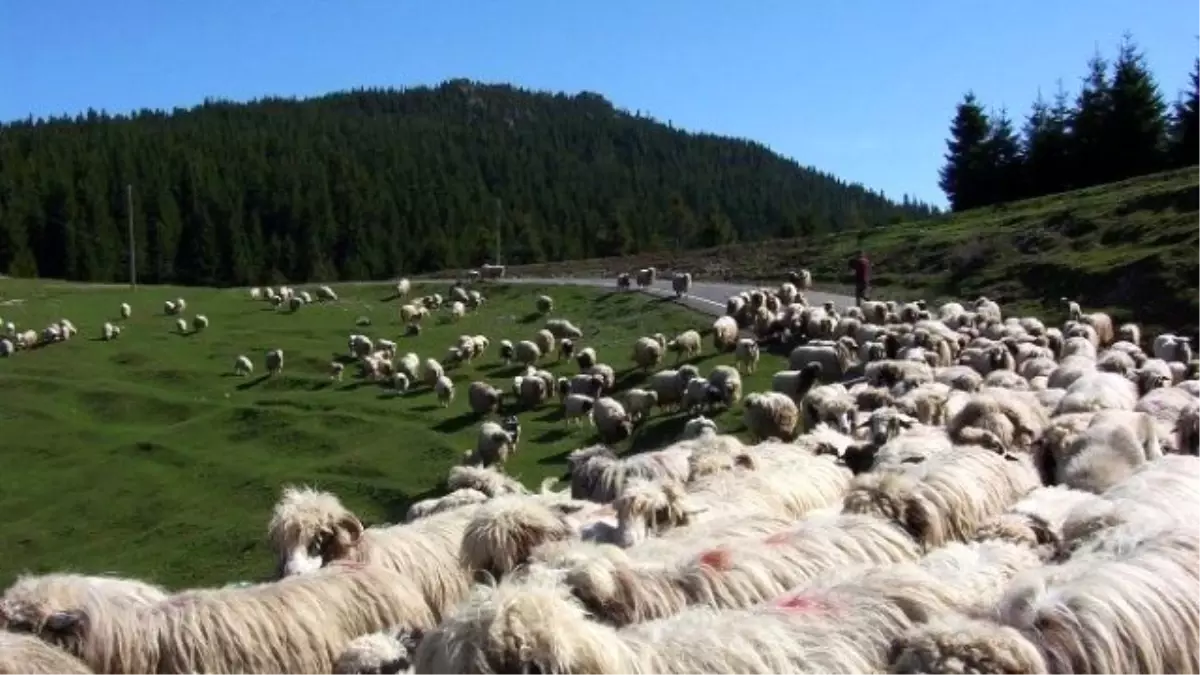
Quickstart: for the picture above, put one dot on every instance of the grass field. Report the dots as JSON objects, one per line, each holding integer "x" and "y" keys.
{"x": 145, "y": 456}
{"x": 1129, "y": 248}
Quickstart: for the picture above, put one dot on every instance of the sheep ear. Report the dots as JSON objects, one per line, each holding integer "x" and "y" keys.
{"x": 351, "y": 526}
{"x": 745, "y": 461}
{"x": 66, "y": 622}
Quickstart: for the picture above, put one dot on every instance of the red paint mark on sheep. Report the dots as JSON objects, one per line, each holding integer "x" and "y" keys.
{"x": 802, "y": 603}
{"x": 719, "y": 559}
{"x": 779, "y": 538}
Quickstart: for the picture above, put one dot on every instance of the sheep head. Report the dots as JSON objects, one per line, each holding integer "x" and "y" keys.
{"x": 505, "y": 530}
{"x": 1026, "y": 529}
{"x": 309, "y": 529}
{"x": 646, "y": 507}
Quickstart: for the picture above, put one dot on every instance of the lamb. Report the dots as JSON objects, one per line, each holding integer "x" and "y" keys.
{"x": 242, "y": 365}
{"x": 28, "y": 654}
{"x": 562, "y": 328}
{"x": 1000, "y": 419}
{"x": 483, "y": 398}
{"x": 647, "y": 353}
{"x": 946, "y": 497}
{"x": 802, "y": 484}
{"x": 681, "y": 283}
{"x": 431, "y": 372}
{"x": 686, "y": 345}
{"x": 599, "y": 475}
{"x": 544, "y": 304}
{"x": 771, "y": 415}
{"x": 453, "y": 500}
{"x": 310, "y": 529}
{"x": 725, "y": 334}
{"x": 612, "y": 422}
{"x": 295, "y": 625}
{"x": 746, "y": 354}
{"x": 274, "y": 362}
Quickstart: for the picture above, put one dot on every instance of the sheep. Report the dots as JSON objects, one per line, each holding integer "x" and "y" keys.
{"x": 242, "y": 365}
{"x": 1000, "y": 419}
{"x": 23, "y": 653}
{"x": 486, "y": 479}
{"x": 566, "y": 348}
{"x": 444, "y": 388}
{"x": 1098, "y": 391}
{"x": 400, "y": 382}
{"x": 961, "y": 377}
{"x": 1037, "y": 520}
{"x": 624, "y": 281}
{"x": 384, "y": 653}
{"x": 494, "y": 444}
{"x": 802, "y": 280}
{"x": 33, "y": 601}
{"x": 170, "y": 308}
{"x": 545, "y": 341}
{"x": 431, "y": 372}
{"x": 645, "y": 277}
{"x": 604, "y": 373}
{"x": 1187, "y": 430}
{"x": 829, "y": 403}
{"x": 125, "y": 310}
{"x": 453, "y": 500}
{"x": 274, "y": 361}
{"x": 946, "y": 497}
{"x": 109, "y": 331}
{"x": 597, "y": 474}
{"x": 647, "y": 353}
{"x": 403, "y": 287}
{"x": 746, "y": 354}
{"x": 544, "y": 304}
{"x": 586, "y": 359}
{"x": 562, "y": 328}
{"x": 7, "y": 347}
{"x": 669, "y": 385}
{"x": 681, "y": 283}
{"x": 1166, "y": 405}
{"x": 927, "y": 402}
{"x": 725, "y": 334}
{"x": 686, "y": 345}
{"x": 181, "y": 325}
{"x": 956, "y": 643}
{"x": 612, "y": 422}
{"x": 792, "y": 488}
{"x": 1171, "y": 347}
{"x": 199, "y": 322}
{"x": 896, "y": 442}
{"x": 696, "y": 427}
{"x": 310, "y": 529}
{"x": 577, "y": 407}
{"x": 483, "y": 398}
{"x": 639, "y": 403}
{"x": 1097, "y": 456}
{"x": 834, "y": 358}
{"x": 770, "y": 415}
{"x": 295, "y": 625}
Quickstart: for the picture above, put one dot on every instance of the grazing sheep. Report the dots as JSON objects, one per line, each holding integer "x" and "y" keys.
{"x": 527, "y": 353}
{"x": 443, "y": 387}
{"x": 566, "y": 348}
{"x": 640, "y": 403}
{"x": 681, "y": 283}
{"x": 296, "y": 625}
{"x": 126, "y": 310}
{"x": 493, "y": 445}
{"x": 746, "y": 353}
{"x": 562, "y": 328}
{"x": 577, "y": 407}
{"x": 544, "y": 304}
{"x": 483, "y": 398}
{"x": 199, "y": 322}
{"x": 771, "y": 415}
{"x": 431, "y": 372}
{"x": 242, "y": 365}
{"x": 686, "y": 345}
{"x": 586, "y": 359}
{"x": 647, "y": 353}
{"x": 274, "y": 362}
{"x": 725, "y": 334}
{"x": 669, "y": 385}
{"x": 181, "y": 325}
{"x": 612, "y": 422}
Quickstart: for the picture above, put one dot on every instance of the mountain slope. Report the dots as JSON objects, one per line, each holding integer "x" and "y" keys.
{"x": 366, "y": 184}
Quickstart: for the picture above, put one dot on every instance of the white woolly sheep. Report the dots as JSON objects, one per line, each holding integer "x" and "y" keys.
{"x": 545, "y": 341}
{"x": 126, "y": 310}
{"x": 383, "y": 653}
{"x": 431, "y": 372}
{"x": 170, "y": 308}
{"x": 577, "y": 407}
{"x": 746, "y": 354}
{"x": 1171, "y": 347}
{"x": 999, "y": 419}
{"x": 274, "y": 362}
{"x": 612, "y": 422}
{"x": 669, "y": 385}
{"x": 110, "y": 331}
{"x": 181, "y": 325}
{"x": 493, "y": 445}
{"x": 647, "y": 353}
{"x": 544, "y": 304}
{"x": 599, "y": 475}
{"x": 686, "y": 345}
{"x": 483, "y": 398}
{"x": 199, "y": 322}
{"x": 453, "y": 500}
{"x": 771, "y": 415}
{"x": 1098, "y": 391}
{"x": 403, "y": 287}
{"x": 24, "y": 653}
{"x": 725, "y": 334}
{"x": 639, "y": 403}
{"x": 486, "y": 479}
{"x": 829, "y": 403}
{"x": 562, "y": 328}
{"x": 6, "y": 347}
{"x": 242, "y": 365}
{"x": 586, "y": 359}
{"x": 834, "y": 357}
{"x": 443, "y": 387}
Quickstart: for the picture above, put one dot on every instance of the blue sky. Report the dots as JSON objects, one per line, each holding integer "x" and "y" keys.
{"x": 863, "y": 89}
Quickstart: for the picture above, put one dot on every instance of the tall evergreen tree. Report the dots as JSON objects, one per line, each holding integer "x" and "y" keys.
{"x": 1089, "y": 125}
{"x": 1003, "y": 152}
{"x": 1184, "y": 146}
{"x": 964, "y": 176}
{"x": 1135, "y": 131}
{"x": 1045, "y": 145}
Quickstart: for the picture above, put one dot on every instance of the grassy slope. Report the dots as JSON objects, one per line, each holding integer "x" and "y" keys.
{"x": 145, "y": 457}
{"x": 1129, "y": 247}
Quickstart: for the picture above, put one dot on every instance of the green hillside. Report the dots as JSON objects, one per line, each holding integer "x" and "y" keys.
{"x": 1130, "y": 247}
{"x": 145, "y": 455}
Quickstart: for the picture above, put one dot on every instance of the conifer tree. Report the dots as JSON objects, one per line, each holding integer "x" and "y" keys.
{"x": 1045, "y": 144}
{"x": 1003, "y": 151}
{"x": 1135, "y": 131}
{"x": 1089, "y": 124}
{"x": 1184, "y": 145}
{"x": 963, "y": 177}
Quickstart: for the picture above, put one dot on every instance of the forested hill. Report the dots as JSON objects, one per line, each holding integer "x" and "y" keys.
{"x": 371, "y": 183}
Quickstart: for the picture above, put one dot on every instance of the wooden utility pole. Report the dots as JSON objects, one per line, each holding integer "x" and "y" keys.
{"x": 132, "y": 248}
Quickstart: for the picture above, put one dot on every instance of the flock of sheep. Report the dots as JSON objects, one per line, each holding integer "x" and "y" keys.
{"x": 994, "y": 495}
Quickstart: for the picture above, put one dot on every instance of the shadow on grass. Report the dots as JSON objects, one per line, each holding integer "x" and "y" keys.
{"x": 320, "y": 385}
{"x": 557, "y": 435}
{"x": 342, "y": 358}
{"x": 253, "y": 383}
{"x": 658, "y": 433}
{"x": 457, "y": 423}
{"x": 396, "y": 508}
{"x": 530, "y": 317}
{"x": 354, "y": 386}
{"x": 554, "y": 415}
{"x": 489, "y": 367}
{"x": 427, "y": 408}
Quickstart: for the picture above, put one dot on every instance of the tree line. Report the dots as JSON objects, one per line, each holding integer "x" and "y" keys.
{"x": 1117, "y": 126}
{"x": 372, "y": 183}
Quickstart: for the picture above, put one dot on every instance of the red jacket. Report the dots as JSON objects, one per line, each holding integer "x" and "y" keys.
{"x": 862, "y": 269}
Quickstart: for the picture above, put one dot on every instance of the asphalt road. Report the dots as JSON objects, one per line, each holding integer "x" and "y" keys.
{"x": 707, "y": 297}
